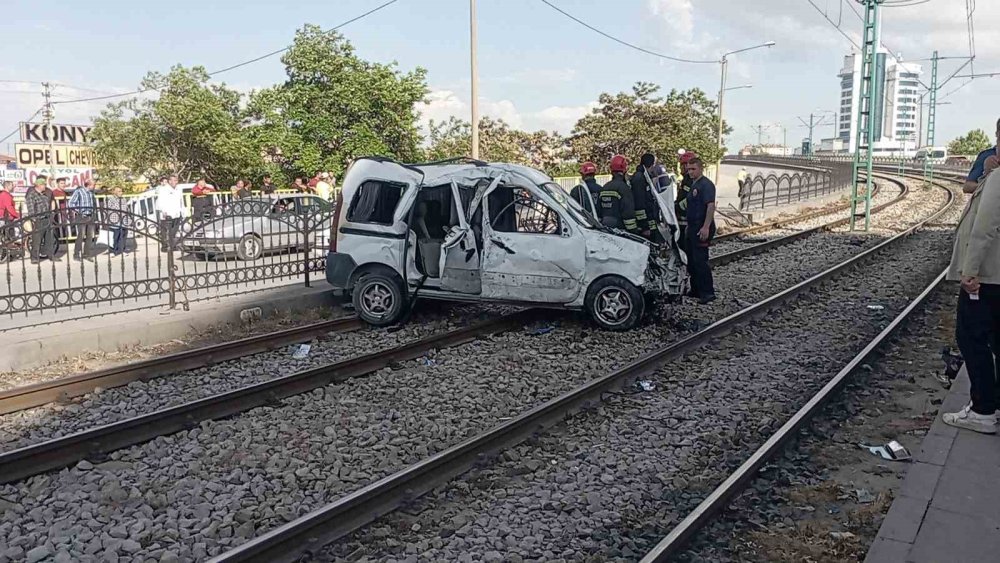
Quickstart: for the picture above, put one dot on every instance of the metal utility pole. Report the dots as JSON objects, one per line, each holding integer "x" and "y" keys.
{"x": 475, "y": 79}
{"x": 931, "y": 118}
{"x": 814, "y": 123}
{"x": 48, "y": 114}
{"x": 869, "y": 93}
{"x": 724, "y": 62}
{"x": 760, "y": 133}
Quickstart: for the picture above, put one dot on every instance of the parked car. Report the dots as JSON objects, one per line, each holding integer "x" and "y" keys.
{"x": 471, "y": 231}
{"x": 253, "y": 227}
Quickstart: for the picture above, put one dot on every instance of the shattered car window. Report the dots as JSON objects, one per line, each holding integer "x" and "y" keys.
{"x": 556, "y": 192}
{"x": 513, "y": 210}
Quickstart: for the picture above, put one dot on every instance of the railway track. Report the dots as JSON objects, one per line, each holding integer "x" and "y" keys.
{"x": 149, "y": 427}
{"x": 308, "y": 534}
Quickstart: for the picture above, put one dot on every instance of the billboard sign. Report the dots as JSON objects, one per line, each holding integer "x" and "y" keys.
{"x": 55, "y": 133}
{"x": 61, "y": 156}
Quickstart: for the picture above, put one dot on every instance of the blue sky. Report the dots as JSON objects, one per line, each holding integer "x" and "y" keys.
{"x": 537, "y": 68}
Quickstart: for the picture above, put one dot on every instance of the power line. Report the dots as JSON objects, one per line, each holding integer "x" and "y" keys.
{"x": 623, "y": 42}
{"x": 835, "y": 25}
{"x": 229, "y": 68}
{"x": 18, "y": 128}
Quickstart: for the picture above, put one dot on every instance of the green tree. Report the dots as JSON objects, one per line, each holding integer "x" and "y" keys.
{"x": 973, "y": 143}
{"x": 191, "y": 128}
{"x": 638, "y": 122}
{"x": 498, "y": 142}
{"x": 334, "y": 107}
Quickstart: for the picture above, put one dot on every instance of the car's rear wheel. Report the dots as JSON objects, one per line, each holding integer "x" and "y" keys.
{"x": 379, "y": 298}
{"x": 615, "y": 303}
{"x": 250, "y": 247}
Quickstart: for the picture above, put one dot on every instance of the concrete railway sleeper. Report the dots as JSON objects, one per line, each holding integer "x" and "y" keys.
{"x": 391, "y": 388}
{"x": 308, "y": 534}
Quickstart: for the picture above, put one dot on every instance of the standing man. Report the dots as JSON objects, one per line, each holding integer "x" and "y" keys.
{"x": 268, "y": 187}
{"x": 82, "y": 207}
{"x": 202, "y": 200}
{"x": 240, "y": 190}
{"x": 700, "y": 230}
{"x": 741, "y": 179}
{"x": 39, "y": 207}
{"x": 117, "y": 207}
{"x": 171, "y": 209}
{"x": 616, "y": 207}
{"x": 300, "y": 186}
{"x": 975, "y": 263}
{"x": 323, "y": 187}
{"x": 587, "y": 192}
{"x": 986, "y": 162}
{"x": 8, "y": 211}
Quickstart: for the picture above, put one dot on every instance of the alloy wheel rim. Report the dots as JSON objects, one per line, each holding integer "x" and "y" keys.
{"x": 613, "y": 306}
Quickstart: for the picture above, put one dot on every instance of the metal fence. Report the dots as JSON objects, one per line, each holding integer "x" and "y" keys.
{"x": 800, "y": 181}
{"x": 95, "y": 257}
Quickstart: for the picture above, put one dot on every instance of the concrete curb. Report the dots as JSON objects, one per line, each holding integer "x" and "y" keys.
{"x": 35, "y": 346}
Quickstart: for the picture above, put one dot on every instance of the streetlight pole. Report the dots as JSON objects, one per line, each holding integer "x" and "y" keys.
{"x": 724, "y": 62}
{"x": 475, "y": 79}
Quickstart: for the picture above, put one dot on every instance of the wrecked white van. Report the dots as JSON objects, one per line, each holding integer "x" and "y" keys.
{"x": 501, "y": 233}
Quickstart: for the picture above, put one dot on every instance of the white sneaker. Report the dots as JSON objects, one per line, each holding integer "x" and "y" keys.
{"x": 971, "y": 420}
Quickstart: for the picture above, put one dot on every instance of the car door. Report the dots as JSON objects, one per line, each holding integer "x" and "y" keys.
{"x": 460, "y": 253}
{"x": 531, "y": 251}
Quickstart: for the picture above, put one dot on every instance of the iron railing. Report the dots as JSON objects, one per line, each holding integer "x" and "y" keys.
{"x": 235, "y": 247}
{"x": 798, "y": 181}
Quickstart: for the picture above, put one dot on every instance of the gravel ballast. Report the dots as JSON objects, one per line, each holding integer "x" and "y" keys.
{"x": 198, "y": 492}
{"x": 609, "y": 483}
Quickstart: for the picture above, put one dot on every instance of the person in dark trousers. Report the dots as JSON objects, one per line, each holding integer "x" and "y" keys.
{"x": 646, "y": 211}
{"x": 39, "y": 208}
{"x": 116, "y": 207}
{"x": 700, "y": 231}
{"x": 202, "y": 200}
{"x": 615, "y": 202}
{"x": 986, "y": 162}
{"x": 588, "y": 192}
{"x": 975, "y": 263}
{"x": 83, "y": 207}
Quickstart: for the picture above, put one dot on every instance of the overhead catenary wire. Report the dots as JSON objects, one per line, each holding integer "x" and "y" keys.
{"x": 626, "y": 43}
{"x": 228, "y": 68}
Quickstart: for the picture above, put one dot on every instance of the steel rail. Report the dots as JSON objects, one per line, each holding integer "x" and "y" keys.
{"x": 64, "y": 388}
{"x": 738, "y": 481}
{"x": 60, "y": 452}
{"x": 309, "y": 533}
{"x": 763, "y": 247}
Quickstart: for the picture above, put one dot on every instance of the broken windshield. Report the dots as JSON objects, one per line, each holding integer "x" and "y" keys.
{"x": 556, "y": 192}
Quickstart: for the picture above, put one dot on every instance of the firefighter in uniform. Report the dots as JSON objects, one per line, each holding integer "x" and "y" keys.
{"x": 588, "y": 192}
{"x": 616, "y": 207}
{"x": 647, "y": 213}
{"x": 683, "y": 189}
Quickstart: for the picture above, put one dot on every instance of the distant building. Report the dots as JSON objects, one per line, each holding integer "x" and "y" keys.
{"x": 895, "y": 110}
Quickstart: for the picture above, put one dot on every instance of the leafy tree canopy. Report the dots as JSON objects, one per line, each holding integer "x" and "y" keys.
{"x": 334, "y": 107}
{"x": 498, "y": 142}
{"x": 972, "y": 143}
{"x": 191, "y": 128}
{"x": 641, "y": 121}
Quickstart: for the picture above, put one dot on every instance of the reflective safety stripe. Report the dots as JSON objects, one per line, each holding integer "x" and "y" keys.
{"x": 611, "y": 194}
{"x": 652, "y": 224}
{"x": 630, "y": 224}
{"x": 640, "y": 214}
{"x": 683, "y": 204}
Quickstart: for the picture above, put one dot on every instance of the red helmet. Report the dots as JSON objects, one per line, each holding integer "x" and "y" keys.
{"x": 588, "y": 168}
{"x": 619, "y": 163}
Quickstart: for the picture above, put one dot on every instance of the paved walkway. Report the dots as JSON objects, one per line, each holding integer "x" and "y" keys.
{"x": 948, "y": 509}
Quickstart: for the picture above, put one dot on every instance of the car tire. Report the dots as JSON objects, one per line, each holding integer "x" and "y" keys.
{"x": 250, "y": 247}
{"x": 379, "y": 298}
{"x": 615, "y": 303}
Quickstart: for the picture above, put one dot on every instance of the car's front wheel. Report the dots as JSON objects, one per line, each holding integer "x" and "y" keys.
{"x": 615, "y": 303}
{"x": 379, "y": 298}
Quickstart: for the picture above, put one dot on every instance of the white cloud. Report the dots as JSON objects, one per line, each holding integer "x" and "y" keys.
{"x": 677, "y": 17}
{"x": 442, "y": 104}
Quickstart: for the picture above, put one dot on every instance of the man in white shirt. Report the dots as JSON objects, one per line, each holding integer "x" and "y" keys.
{"x": 170, "y": 208}
{"x": 323, "y": 187}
